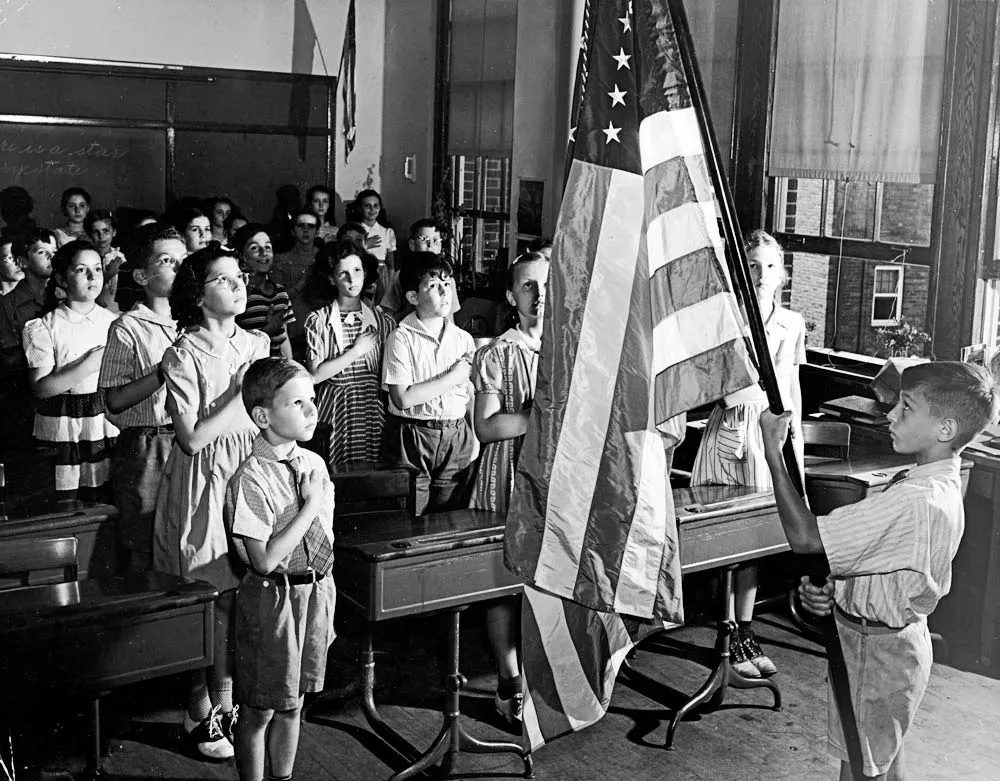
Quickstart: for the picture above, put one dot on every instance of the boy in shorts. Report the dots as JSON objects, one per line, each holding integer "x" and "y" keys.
{"x": 279, "y": 508}
{"x": 890, "y": 554}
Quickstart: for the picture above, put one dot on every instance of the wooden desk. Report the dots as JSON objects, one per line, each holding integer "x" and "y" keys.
{"x": 93, "y": 525}
{"x": 834, "y": 483}
{"x": 410, "y": 566}
{"x": 93, "y": 635}
{"x": 449, "y": 560}
{"x": 969, "y": 617}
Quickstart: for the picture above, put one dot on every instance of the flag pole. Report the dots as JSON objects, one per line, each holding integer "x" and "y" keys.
{"x": 741, "y": 274}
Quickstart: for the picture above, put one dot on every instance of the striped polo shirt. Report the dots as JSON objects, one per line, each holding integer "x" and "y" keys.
{"x": 890, "y": 554}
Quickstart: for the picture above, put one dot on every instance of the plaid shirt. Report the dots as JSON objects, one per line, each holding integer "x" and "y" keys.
{"x": 263, "y": 498}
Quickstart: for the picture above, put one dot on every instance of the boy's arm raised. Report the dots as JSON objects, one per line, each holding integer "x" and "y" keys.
{"x": 798, "y": 522}
{"x": 406, "y": 396}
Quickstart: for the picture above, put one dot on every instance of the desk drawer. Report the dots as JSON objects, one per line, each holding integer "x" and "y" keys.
{"x": 420, "y": 584}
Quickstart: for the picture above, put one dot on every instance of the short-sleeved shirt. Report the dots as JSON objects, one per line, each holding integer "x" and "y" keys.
{"x": 414, "y": 355}
{"x": 786, "y": 341}
{"x": 891, "y": 553}
{"x": 263, "y": 498}
{"x": 136, "y": 343}
{"x": 258, "y": 308}
{"x": 200, "y": 369}
{"x": 388, "y": 240}
{"x": 64, "y": 335}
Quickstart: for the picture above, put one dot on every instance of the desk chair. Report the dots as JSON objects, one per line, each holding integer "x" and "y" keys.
{"x": 25, "y": 563}
{"x": 828, "y": 438}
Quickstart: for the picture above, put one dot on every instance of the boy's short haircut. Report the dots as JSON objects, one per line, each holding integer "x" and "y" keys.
{"x": 350, "y": 227}
{"x": 266, "y": 377}
{"x": 305, "y": 211}
{"x": 528, "y": 256}
{"x": 21, "y": 243}
{"x": 953, "y": 389}
{"x": 423, "y": 264}
{"x": 419, "y": 225}
{"x": 158, "y": 231}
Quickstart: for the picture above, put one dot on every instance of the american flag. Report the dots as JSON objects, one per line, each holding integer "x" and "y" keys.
{"x": 640, "y": 326}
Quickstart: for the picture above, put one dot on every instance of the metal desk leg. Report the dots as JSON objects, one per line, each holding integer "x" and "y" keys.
{"x": 713, "y": 691}
{"x": 453, "y": 737}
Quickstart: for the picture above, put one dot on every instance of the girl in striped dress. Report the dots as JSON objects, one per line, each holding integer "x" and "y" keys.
{"x": 732, "y": 448}
{"x": 344, "y": 344}
{"x": 503, "y": 373}
{"x": 64, "y": 349}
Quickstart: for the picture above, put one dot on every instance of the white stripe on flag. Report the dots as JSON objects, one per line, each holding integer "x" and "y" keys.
{"x": 640, "y": 561}
{"x": 580, "y": 704}
{"x": 681, "y": 231}
{"x": 694, "y": 330}
{"x": 669, "y": 134}
{"x": 588, "y": 406}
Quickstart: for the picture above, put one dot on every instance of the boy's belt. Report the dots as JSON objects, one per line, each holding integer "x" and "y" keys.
{"x": 864, "y": 623}
{"x": 425, "y": 423}
{"x": 296, "y": 578}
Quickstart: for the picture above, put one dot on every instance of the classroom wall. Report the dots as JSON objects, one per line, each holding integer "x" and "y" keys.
{"x": 408, "y": 113}
{"x": 543, "y": 80}
{"x": 240, "y": 34}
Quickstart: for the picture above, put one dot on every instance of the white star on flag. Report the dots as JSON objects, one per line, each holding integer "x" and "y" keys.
{"x": 617, "y": 96}
{"x": 612, "y": 133}
{"x": 622, "y": 59}
{"x": 572, "y": 133}
{"x": 626, "y": 24}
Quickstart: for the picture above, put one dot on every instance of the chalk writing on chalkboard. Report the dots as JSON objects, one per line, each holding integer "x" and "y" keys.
{"x": 118, "y": 166}
{"x": 55, "y": 158}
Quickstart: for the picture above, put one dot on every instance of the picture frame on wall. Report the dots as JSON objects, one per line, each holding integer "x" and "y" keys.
{"x": 530, "y": 201}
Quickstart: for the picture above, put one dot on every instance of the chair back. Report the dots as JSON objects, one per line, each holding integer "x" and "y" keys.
{"x": 828, "y": 438}
{"x": 33, "y": 562}
{"x": 373, "y": 491}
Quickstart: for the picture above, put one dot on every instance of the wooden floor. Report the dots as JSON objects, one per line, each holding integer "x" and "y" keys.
{"x": 955, "y": 735}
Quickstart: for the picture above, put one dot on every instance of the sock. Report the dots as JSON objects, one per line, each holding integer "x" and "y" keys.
{"x": 199, "y": 704}
{"x": 508, "y": 687}
{"x": 282, "y": 778}
{"x": 223, "y": 695}
{"x": 744, "y": 628}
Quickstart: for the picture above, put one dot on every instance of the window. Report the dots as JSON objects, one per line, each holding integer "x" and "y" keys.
{"x": 887, "y": 295}
{"x": 876, "y": 212}
{"x": 481, "y": 200}
{"x": 849, "y": 243}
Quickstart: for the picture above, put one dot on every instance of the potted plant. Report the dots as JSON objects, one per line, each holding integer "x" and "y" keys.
{"x": 903, "y": 340}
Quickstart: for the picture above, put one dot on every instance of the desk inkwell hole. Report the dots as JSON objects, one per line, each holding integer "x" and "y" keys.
{"x": 401, "y": 545}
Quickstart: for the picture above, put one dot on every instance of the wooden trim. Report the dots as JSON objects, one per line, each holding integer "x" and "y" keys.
{"x": 964, "y": 210}
{"x": 755, "y": 56}
{"x": 442, "y": 90}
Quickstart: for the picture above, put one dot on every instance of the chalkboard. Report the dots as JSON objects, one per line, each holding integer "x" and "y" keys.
{"x": 141, "y": 136}
{"x": 248, "y": 167}
{"x": 118, "y": 166}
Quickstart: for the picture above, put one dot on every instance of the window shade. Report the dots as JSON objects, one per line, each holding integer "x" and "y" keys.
{"x": 857, "y": 92}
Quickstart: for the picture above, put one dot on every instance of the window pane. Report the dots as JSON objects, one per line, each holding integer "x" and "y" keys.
{"x": 850, "y": 210}
{"x": 884, "y": 308}
{"x": 799, "y": 206}
{"x": 906, "y": 213}
{"x": 886, "y": 281}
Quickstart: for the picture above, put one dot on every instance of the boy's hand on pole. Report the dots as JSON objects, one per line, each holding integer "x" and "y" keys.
{"x": 818, "y": 600}
{"x": 775, "y": 430}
